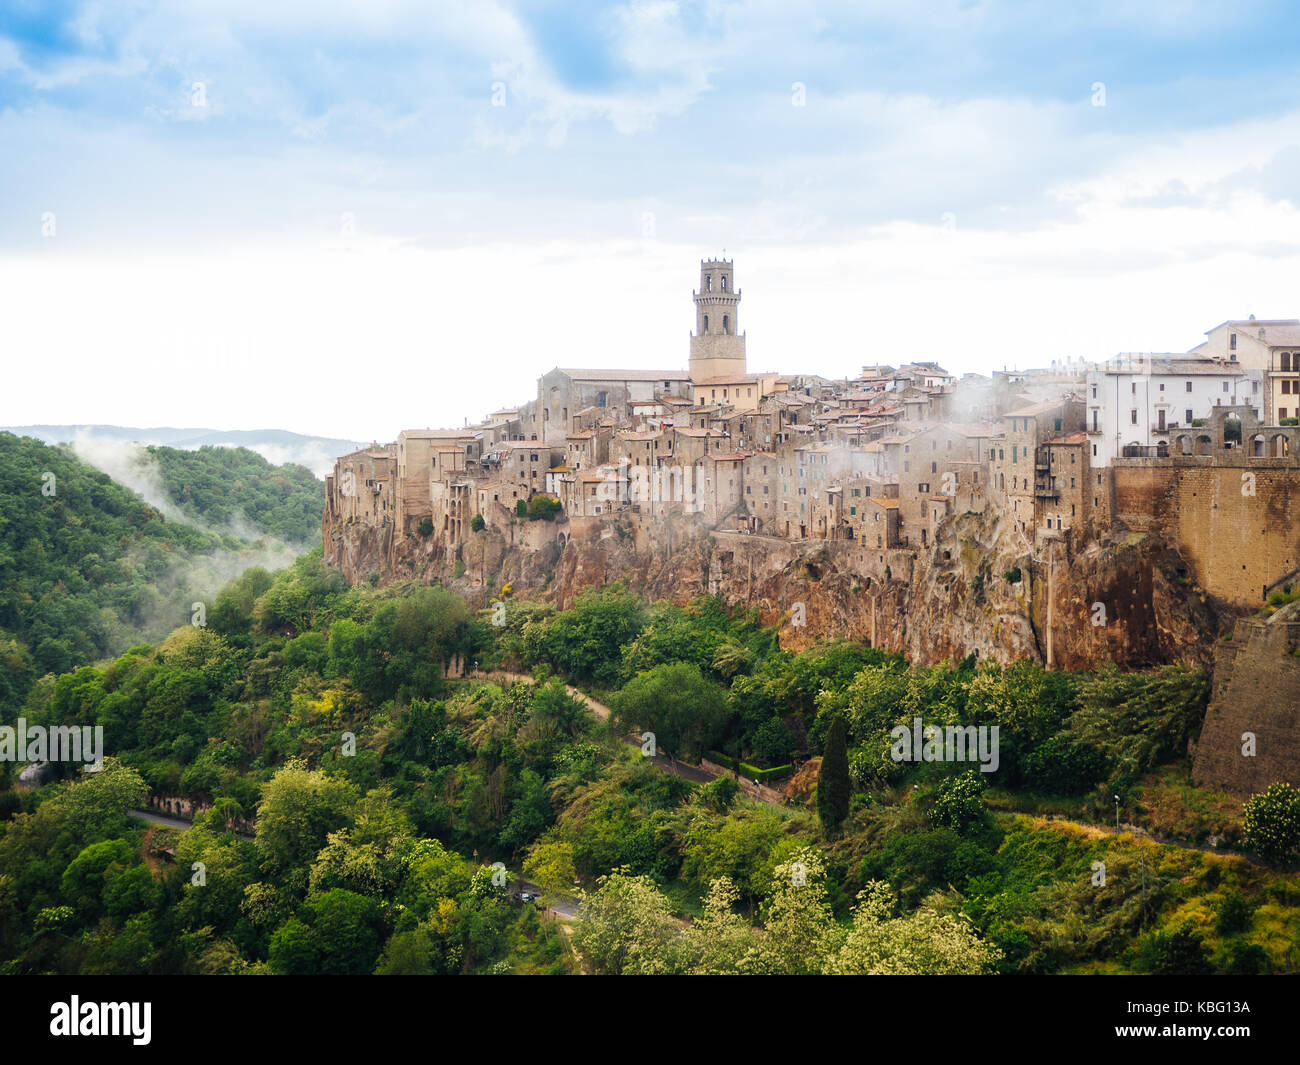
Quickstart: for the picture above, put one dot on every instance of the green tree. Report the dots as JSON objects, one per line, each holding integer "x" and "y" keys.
{"x": 923, "y": 943}
{"x": 626, "y": 927}
{"x": 683, "y": 708}
{"x": 834, "y": 789}
{"x": 1271, "y": 823}
{"x": 300, "y": 807}
{"x": 958, "y": 801}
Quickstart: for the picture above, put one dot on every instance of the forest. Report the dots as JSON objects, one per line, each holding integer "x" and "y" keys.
{"x": 367, "y": 807}
{"x": 87, "y": 568}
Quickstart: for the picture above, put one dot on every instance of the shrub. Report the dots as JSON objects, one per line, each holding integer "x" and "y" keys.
{"x": 476, "y": 523}
{"x": 959, "y": 802}
{"x": 1176, "y": 953}
{"x": 1012, "y": 575}
{"x": 1271, "y": 821}
{"x": 1234, "y": 914}
{"x": 720, "y": 793}
{"x": 750, "y": 772}
{"x": 1064, "y": 766}
{"x": 426, "y": 526}
{"x": 543, "y": 508}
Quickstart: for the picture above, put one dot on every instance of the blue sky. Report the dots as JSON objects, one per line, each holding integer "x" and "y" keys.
{"x": 212, "y": 212}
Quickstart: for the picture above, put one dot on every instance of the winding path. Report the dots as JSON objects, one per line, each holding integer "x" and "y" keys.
{"x": 698, "y": 774}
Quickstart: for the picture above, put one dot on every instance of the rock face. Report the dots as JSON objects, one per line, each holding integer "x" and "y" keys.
{"x": 1251, "y": 737}
{"x": 977, "y": 590}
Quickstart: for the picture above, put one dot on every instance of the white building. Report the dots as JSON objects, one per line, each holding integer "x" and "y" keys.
{"x": 1135, "y": 400}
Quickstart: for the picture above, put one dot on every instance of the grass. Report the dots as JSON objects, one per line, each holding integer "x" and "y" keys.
{"x": 1170, "y": 806}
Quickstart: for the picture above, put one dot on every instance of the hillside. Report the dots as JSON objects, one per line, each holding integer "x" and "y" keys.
{"x": 88, "y": 568}
{"x": 349, "y": 800}
{"x": 276, "y": 445}
{"x": 221, "y": 486}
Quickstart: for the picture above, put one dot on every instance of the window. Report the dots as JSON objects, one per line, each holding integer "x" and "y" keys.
{"x": 1133, "y": 417}
{"x": 1189, "y": 386}
{"x": 1232, "y": 342}
{"x": 706, "y": 323}
{"x": 1188, "y": 412}
{"x": 923, "y": 489}
{"x": 724, "y": 282}
{"x": 934, "y": 467}
{"x": 1225, "y": 386}
{"x": 726, "y": 325}
{"x": 1134, "y": 387}
{"x": 708, "y": 286}
{"x": 1094, "y": 391}
{"x": 1162, "y": 386}
{"x": 1286, "y": 361}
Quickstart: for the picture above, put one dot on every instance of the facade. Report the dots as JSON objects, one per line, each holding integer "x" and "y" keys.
{"x": 1139, "y": 401}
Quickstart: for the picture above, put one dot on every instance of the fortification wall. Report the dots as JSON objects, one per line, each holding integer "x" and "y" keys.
{"x": 1251, "y": 736}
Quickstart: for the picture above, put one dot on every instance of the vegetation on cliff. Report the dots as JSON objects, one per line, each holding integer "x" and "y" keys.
{"x": 323, "y": 714}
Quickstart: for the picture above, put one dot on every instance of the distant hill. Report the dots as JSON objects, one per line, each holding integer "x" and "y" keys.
{"x": 91, "y": 568}
{"x": 278, "y": 446}
{"x": 235, "y": 489}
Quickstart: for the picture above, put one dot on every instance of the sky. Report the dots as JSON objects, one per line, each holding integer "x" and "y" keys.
{"x": 348, "y": 219}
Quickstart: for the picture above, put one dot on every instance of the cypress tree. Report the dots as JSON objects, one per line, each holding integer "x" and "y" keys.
{"x": 833, "y": 788}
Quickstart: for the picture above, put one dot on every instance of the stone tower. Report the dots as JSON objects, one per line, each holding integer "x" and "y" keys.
{"x": 717, "y": 345}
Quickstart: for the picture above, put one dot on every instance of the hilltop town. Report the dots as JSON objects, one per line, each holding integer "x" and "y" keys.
{"x": 1130, "y": 509}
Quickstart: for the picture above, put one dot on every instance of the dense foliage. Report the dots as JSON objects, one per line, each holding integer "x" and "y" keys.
{"x": 355, "y": 792}
{"x": 87, "y": 568}
{"x": 233, "y": 486}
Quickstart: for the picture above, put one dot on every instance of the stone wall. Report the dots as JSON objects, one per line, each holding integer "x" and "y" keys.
{"x": 1257, "y": 691}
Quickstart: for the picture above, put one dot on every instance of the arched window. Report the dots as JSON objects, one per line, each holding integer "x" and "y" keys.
{"x": 726, "y": 323}
{"x": 708, "y": 282}
{"x": 706, "y": 323}
{"x": 1286, "y": 361}
{"x": 724, "y": 282}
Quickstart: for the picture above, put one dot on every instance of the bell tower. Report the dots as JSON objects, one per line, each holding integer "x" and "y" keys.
{"x": 717, "y": 345}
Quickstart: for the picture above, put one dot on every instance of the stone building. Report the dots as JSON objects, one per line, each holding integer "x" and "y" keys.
{"x": 1271, "y": 348}
{"x": 563, "y": 392}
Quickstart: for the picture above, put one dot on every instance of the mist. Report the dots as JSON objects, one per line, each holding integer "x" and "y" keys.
{"x": 187, "y": 581}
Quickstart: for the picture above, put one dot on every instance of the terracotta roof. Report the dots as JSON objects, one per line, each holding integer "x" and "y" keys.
{"x": 1035, "y": 409}
{"x": 746, "y": 379}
